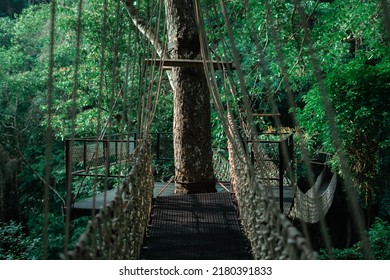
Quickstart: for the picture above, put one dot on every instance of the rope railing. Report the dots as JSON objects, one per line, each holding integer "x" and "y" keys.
{"x": 117, "y": 231}
{"x": 316, "y": 202}
{"x": 221, "y": 167}
{"x": 271, "y": 234}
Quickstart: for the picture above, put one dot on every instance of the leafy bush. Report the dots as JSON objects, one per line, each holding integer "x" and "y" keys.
{"x": 379, "y": 236}
{"x": 342, "y": 254}
{"x": 14, "y": 244}
{"x": 162, "y": 171}
{"x": 359, "y": 95}
{"x": 379, "y": 239}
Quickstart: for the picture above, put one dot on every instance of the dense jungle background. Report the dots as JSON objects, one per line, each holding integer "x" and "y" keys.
{"x": 349, "y": 38}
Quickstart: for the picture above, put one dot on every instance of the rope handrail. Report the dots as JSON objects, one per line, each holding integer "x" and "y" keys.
{"x": 122, "y": 223}
{"x": 116, "y": 232}
{"x": 271, "y": 234}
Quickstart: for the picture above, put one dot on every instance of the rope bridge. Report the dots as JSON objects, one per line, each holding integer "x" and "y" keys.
{"x": 117, "y": 231}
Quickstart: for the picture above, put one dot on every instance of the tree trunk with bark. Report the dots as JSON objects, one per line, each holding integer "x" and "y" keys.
{"x": 191, "y": 126}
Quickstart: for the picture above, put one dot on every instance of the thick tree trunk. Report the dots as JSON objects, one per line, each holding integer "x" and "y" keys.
{"x": 191, "y": 128}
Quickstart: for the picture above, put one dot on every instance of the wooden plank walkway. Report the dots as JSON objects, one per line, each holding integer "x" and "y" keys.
{"x": 195, "y": 226}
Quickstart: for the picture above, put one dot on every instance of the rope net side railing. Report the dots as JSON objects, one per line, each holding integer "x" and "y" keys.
{"x": 221, "y": 167}
{"x": 117, "y": 231}
{"x": 130, "y": 92}
{"x": 271, "y": 234}
{"x": 316, "y": 202}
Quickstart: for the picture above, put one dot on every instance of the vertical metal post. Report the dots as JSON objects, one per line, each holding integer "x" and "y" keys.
{"x": 281, "y": 172}
{"x": 116, "y": 152}
{"x": 68, "y": 174}
{"x": 127, "y": 144}
{"x": 291, "y": 159}
{"x": 85, "y": 155}
{"x": 106, "y": 152}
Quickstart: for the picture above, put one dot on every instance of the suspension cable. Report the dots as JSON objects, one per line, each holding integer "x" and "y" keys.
{"x": 45, "y": 232}
{"x": 74, "y": 106}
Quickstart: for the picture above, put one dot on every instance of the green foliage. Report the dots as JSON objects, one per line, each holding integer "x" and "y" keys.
{"x": 347, "y": 37}
{"x": 162, "y": 170}
{"x": 379, "y": 240}
{"x": 15, "y": 244}
{"x": 342, "y": 254}
{"x": 18, "y": 242}
{"x": 164, "y": 111}
{"x": 348, "y": 29}
{"x": 24, "y": 49}
{"x": 358, "y": 92}
{"x": 379, "y": 237}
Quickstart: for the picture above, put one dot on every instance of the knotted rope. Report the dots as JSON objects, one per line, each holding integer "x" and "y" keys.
{"x": 117, "y": 231}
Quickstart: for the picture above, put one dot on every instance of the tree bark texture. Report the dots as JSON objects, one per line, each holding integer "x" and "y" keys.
{"x": 191, "y": 126}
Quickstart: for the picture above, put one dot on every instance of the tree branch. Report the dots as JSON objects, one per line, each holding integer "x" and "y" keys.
{"x": 17, "y": 144}
{"x": 42, "y": 179}
{"x": 143, "y": 27}
{"x": 314, "y": 9}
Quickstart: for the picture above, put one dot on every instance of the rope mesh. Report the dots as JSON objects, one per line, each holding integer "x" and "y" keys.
{"x": 221, "y": 167}
{"x": 271, "y": 234}
{"x": 313, "y": 204}
{"x": 116, "y": 232}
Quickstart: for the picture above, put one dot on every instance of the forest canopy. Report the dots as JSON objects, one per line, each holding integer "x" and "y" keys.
{"x": 335, "y": 49}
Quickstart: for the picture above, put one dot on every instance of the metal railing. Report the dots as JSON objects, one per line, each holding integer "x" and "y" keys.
{"x": 274, "y": 153}
{"x": 110, "y": 157}
{"x": 117, "y": 231}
